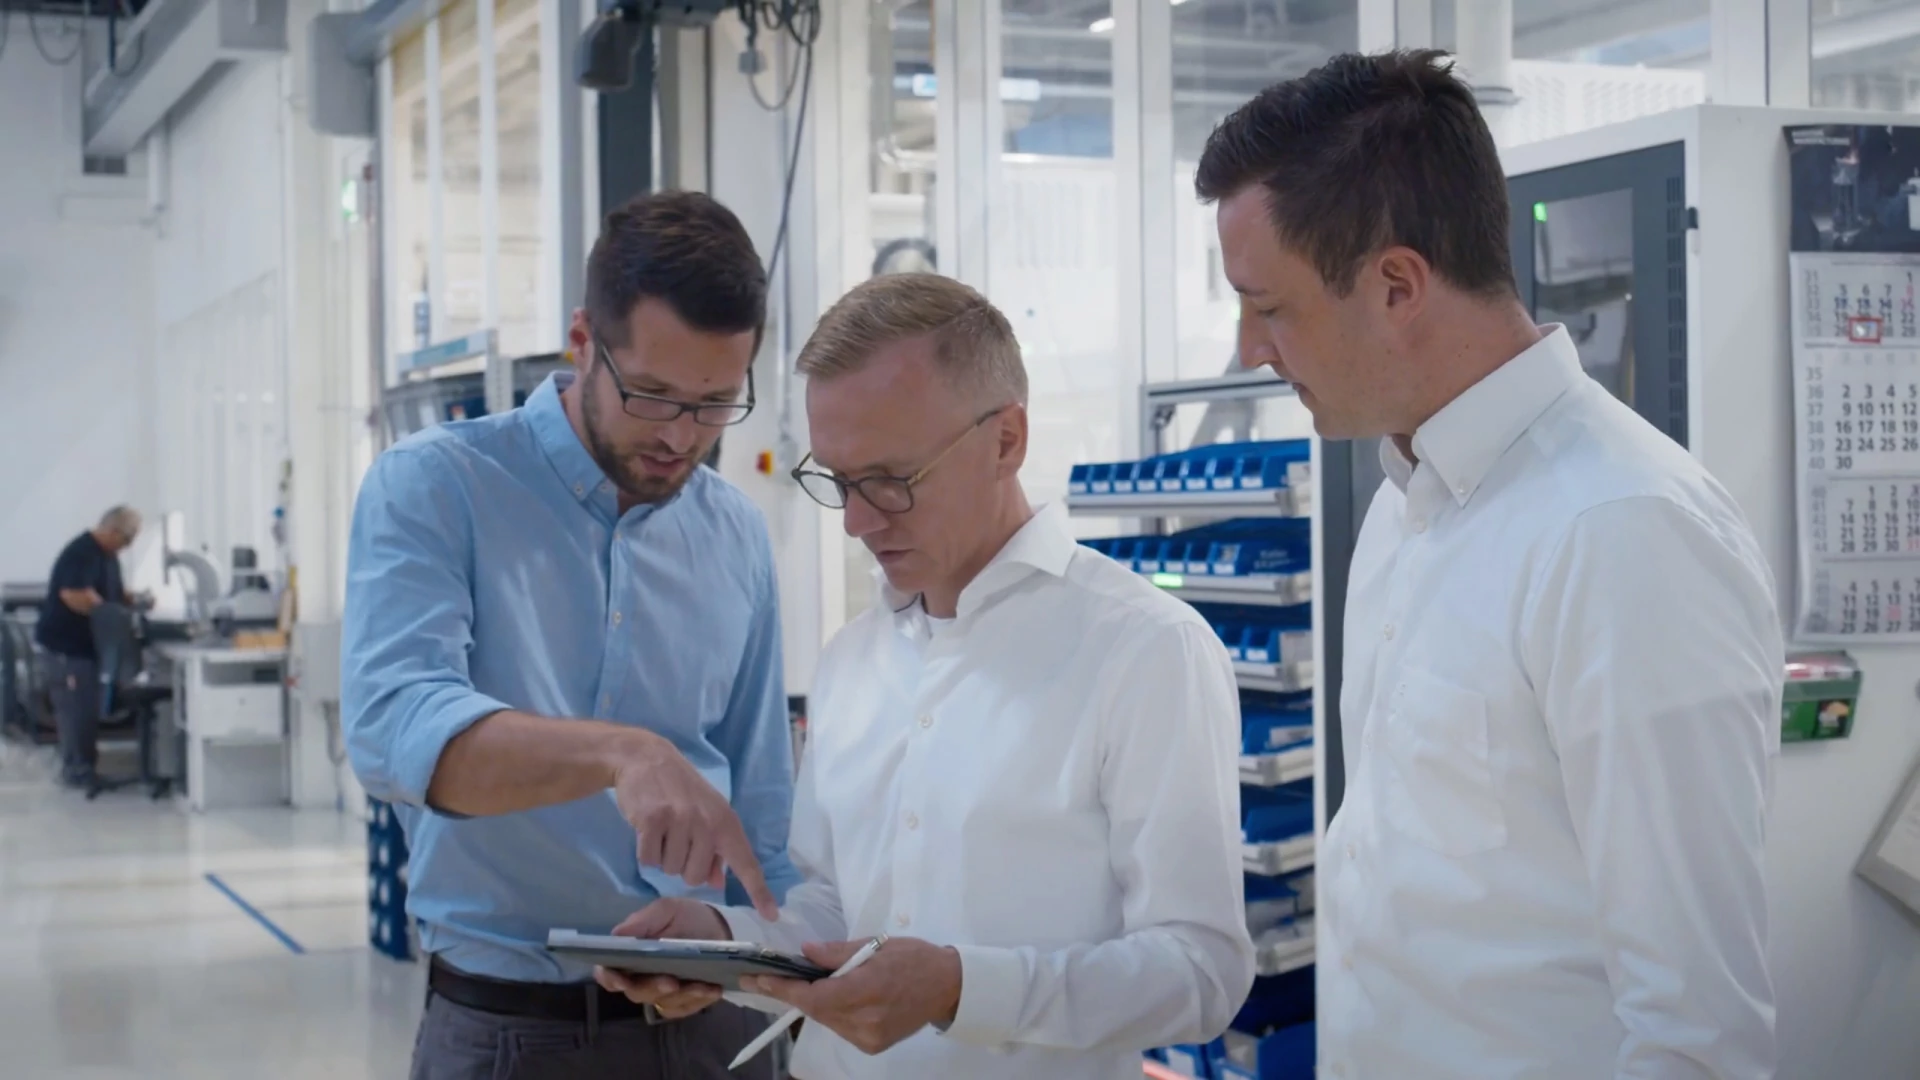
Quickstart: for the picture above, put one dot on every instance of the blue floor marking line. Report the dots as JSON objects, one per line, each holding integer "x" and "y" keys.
{"x": 240, "y": 902}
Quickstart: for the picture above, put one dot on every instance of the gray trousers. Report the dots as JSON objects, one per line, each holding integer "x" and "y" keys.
{"x": 458, "y": 1043}
{"x": 74, "y": 685}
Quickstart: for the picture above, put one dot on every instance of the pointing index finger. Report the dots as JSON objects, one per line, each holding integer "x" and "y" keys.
{"x": 739, "y": 857}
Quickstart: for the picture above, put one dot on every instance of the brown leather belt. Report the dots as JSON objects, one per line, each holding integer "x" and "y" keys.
{"x": 585, "y": 1003}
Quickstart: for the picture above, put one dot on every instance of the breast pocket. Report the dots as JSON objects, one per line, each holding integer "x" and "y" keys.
{"x": 1443, "y": 794}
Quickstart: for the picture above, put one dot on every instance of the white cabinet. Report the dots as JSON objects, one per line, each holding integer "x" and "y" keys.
{"x": 231, "y": 709}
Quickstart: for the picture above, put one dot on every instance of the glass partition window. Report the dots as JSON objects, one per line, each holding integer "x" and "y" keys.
{"x": 460, "y": 298}
{"x": 1053, "y": 263}
{"x": 409, "y": 202}
{"x": 437, "y": 263}
{"x": 1580, "y": 64}
{"x": 902, "y": 96}
{"x": 1224, "y": 54}
{"x": 526, "y": 327}
{"x": 1866, "y": 55}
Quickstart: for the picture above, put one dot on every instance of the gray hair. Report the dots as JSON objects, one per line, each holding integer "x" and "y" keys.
{"x": 124, "y": 520}
{"x": 973, "y": 342}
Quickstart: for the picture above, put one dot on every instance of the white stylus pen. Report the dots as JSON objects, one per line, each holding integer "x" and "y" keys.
{"x": 793, "y": 1015}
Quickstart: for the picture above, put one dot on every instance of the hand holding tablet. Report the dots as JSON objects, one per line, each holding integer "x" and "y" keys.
{"x": 715, "y": 963}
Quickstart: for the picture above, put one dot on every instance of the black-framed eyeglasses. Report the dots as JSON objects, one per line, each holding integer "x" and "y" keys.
{"x": 662, "y": 410}
{"x": 887, "y": 494}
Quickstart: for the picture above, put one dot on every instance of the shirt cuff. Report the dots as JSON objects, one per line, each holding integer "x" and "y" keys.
{"x": 418, "y": 753}
{"x": 993, "y": 988}
{"x": 744, "y": 924}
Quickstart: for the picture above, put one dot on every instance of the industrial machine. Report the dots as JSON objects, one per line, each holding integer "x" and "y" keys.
{"x": 249, "y": 602}
{"x": 425, "y": 397}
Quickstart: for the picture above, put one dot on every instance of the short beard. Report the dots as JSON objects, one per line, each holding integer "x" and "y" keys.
{"x": 635, "y": 485}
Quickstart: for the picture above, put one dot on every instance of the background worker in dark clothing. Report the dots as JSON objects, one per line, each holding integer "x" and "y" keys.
{"x": 86, "y": 575}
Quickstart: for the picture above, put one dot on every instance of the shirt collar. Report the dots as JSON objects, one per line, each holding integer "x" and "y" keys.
{"x": 1464, "y": 439}
{"x": 1044, "y": 545}
{"x": 547, "y": 416}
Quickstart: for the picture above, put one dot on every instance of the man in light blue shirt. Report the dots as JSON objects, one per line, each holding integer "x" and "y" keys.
{"x": 562, "y": 664}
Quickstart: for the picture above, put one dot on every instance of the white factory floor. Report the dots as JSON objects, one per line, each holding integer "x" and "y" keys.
{"x": 140, "y": 941}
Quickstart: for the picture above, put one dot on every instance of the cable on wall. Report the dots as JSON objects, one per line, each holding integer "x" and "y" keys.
{"x": 33, "y": 29}
{"x": 123, "y": 10}
{"x": 800, "y": 20}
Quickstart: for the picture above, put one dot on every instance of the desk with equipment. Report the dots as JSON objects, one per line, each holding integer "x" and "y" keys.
{"x": 227, "y": 667}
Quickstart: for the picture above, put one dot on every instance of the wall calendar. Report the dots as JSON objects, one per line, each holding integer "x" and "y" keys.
{"x": 1855, "y": 268}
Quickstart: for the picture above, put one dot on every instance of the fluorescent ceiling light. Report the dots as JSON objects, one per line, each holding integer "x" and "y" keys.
{"x": 1100, "y": 26}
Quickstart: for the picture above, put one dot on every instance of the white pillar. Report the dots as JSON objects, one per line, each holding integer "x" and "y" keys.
{"x": 1790, "y": 53}
{"x": 323, "y": 353}
{"x": 1483, "y": 43}
{"x": 1377, "y": 30}
{"x": 436, "y": 191}
{"x": 1737, "y": 60}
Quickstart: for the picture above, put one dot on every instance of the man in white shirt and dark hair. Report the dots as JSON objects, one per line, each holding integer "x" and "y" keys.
{"x": 1562, "y": 682}
{"x": 1022, "y": 762}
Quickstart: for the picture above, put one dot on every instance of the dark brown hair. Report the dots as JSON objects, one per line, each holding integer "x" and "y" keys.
{"x": 1369, "y": 152}
{"x": 681, "y": 247}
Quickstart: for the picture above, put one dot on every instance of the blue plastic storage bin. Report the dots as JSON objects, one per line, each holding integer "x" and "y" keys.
{"x": 1268, "y": 815}
{"x": 1288, "y": 1053}
{"x": 1270, "y": 644}
{"x": 1221, "y": 467}
{"x": 1195, "y": 1059}
{"x": 1258, "y": 555}
{"x": 1270, "y": 722}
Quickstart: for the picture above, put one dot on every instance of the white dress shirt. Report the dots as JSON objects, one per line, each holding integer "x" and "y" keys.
{"x": 1049, "y": 783}
{"x": 1561, "y": 713}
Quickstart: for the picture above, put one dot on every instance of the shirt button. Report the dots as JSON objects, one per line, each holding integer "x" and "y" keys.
{"x": 1346, "y": 962}
{"x": 1420, "y": 525}
{"x": 1461, "y": 491}
{"x": 579, "y": 489}
{"x": 926, "y": 721}
{"x": 616, "y": 618}
{"x": 902, "y": 921}
{"x": 606, "y": 702}
{"x": 1352, "y": 852}
{"x": 1388, "y": 632}
{"x": 913, "y": 821}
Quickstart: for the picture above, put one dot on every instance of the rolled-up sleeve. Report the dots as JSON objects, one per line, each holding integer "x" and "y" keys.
{"x": 1183, "y": 963}
{"x": 408, "y": 626}
{"x": 757, "y": 739}
{"x": 1657, "y": 654}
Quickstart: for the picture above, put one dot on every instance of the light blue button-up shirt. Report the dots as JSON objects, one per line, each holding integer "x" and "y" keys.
{"x": 489, "y": 568}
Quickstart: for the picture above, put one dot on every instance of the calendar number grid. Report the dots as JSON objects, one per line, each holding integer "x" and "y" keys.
{"x": 1856, "y": 338}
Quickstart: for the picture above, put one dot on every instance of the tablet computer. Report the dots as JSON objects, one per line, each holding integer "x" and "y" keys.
{"x": 720, "y": 963}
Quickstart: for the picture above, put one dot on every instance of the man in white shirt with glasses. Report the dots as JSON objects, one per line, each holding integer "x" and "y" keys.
{"x": 1023, "y": 761}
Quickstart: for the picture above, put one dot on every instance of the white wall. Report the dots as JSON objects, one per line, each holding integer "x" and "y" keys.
{"x": 217, "y": 269}
{"x": 1847, "y": 958}
{"x": 75, "y": 323}
{"x": 748, "y": 173}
